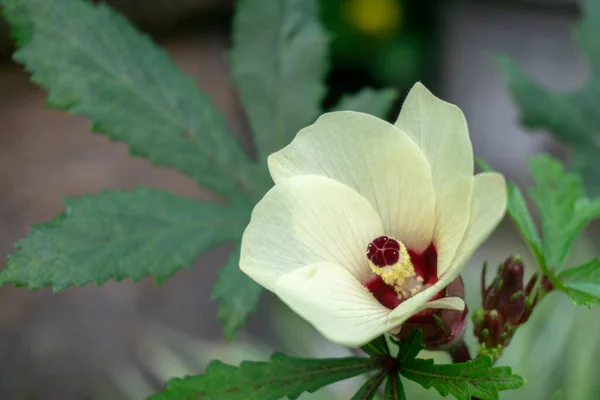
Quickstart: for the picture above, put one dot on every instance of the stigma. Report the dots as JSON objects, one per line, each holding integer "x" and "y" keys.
{"x": 389, "y": 259}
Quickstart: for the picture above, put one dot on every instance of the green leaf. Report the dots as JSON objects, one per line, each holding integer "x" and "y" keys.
{"x": 476, "y": 378}
{"x": 237, "y": 294}
{"x": 278, "y": 62}
{"x": 570, "y": 116}
{"x": 94, "y": 63}
{"x": 520, "y": 216}
{"x": 369, "y": 389}
{"x": 393, "y": 388}
{"x": 581, "y": 283}
{"x": 564, "y": 209}
{"x": 118, "y": 235}
{"x": 411, "y": 347}
{"x": 377, "y": 347}
{"x": 282, "y": 376}
{"x": 377, "y": 102}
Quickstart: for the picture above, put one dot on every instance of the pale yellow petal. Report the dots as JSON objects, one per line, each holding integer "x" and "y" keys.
{"x": 374, "y": 158}
{"x": 452, "y": 215}
{"x": 487, "y": 210}
{"x": 421, "y": 300}
{"x": 440, "y": 130}
{"x": 335, "y": 303}
{"x": 447, "y": 303}
{"x": 305, "y": 220}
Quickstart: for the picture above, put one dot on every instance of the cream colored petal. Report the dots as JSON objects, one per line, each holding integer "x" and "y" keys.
{"x": 421, "y": 300}
{"x": 335, "y": 303}
{"x": 372, "y": 157}
{"x": 452, "y": 215}
{"x": 448, "y": 303}
{"x": 487, "y": 210}
{"x": 305, "y": 220}
{"x": 440, "y": 130}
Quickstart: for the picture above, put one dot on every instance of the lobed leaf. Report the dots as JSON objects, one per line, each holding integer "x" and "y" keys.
{"x": 237, "y": 294}
{"x": 476, "y": 378}
{"x": 94, "y": 63}
{"x": 581, "y": 283}
{"x": 278, "y": 62}
{"x": 119, "y": 235}
{"x": 272, "y": 380}
{"x": 570, "y": 116}
{"x": 564, "y": 209}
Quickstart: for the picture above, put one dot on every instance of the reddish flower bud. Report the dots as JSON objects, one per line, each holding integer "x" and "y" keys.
{"x": 440, "y": 327}
{"x": 531, "y": 284}
{"x": 506, "y": 294}
{"x": 506, "y": 304}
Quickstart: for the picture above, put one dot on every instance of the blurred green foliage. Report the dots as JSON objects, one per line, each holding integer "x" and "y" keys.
{"x": 379, "y": 42}
{"x": 571, "y": 117}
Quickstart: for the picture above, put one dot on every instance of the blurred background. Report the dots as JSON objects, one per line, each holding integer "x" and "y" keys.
{"x": 122, "y": 341}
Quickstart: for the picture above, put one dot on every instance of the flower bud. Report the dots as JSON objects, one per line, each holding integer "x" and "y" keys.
{"x": 506, "y": 294}
{"x": 440, "y": 327}
{"x": 506, "y": 304}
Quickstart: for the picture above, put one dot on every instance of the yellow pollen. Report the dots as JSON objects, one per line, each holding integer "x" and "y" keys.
{"x": 401, "y": 275}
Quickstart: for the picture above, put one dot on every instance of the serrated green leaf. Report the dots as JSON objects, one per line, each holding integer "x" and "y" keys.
{"x": 377, "y": 102}
{"x": 237, "y": 294}
{"x": 564, "y": 209}
{"x": 581, "y": 283}
{"x": 118, "y": 235}
{"x": 377, "y": 347}
{"x": 393, "y": 388}
{"x": 278, "y": 62}
{"x": 411, "y": 347}
{"x": 476, "y": 378}
{"x": 570, "y": 116}
{"x": 282, "y": 376}
{"x": 520, "y": 216}
{"x": 94, "y": 63}
{"x": 369, "y": 389}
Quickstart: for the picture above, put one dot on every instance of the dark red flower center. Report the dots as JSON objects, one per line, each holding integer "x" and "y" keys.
{"x": 385, "y": 251}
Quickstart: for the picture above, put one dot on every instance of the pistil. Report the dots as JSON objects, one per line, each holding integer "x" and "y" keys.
{"x": 389, "y": 258}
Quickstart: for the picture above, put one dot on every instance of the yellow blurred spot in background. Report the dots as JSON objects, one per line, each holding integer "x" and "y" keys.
{"x": 378, "y": 18}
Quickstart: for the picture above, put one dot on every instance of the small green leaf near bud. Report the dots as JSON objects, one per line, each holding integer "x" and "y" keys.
{"x": 377, "y": 347}
{"x": 581, "y": 283}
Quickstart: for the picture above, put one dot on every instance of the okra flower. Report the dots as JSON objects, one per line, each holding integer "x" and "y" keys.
{"x": 368, "y": 222}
